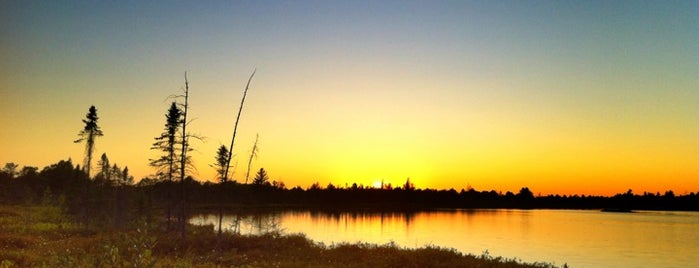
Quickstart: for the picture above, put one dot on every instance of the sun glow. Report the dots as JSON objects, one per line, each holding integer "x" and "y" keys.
{"x": 334, "y": 106}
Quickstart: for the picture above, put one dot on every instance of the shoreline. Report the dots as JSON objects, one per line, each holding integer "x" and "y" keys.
{"x": 42, "y": 235}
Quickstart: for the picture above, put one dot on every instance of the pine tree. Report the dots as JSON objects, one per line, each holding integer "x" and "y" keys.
{"x": 105, "y": 170}
{"x": 126, "y": 178}
{"x": 89, "y": 133}
{"x": 221, "y": 164}
{"x": 168, "y": 163}
{"x": 115, "y": 175}
{"x": 261, "y": 177}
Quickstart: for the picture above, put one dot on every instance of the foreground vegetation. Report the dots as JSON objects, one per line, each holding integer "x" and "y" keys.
{"x": 42, "y": 236}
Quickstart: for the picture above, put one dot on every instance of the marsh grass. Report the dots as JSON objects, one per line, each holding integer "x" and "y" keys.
{"x": 41, "y": 236}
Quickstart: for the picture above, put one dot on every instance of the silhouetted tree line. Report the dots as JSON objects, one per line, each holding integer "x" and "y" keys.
{"x": 399, "y": 198}
{"x": 115, "y": 204}
{"x": 113, "y": 201}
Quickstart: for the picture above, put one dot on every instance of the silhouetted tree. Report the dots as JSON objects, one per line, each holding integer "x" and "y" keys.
{"x": 253, "y": 154}
{"x": 117, "y": 182}
{"x": 10, "y": 169}
{"x": 237, "y": 119}
{"x": 315, "y": 187}
{"x": 330, "y": 186}
{"x": 167, "y": 164}
{"x": 105, "y": 171}
{"x": 221, "y": 163}
{"x": 408, "y": 185}
{"x": 114, "y": 175}
{"x": 525, "y": 193}
{"x": 261, "y": 177}
{"x": 167, "y": 142}
{"x": 669, "y": 194}
{"x": 185, "y": 161}
{"x": 279, "y": 185}
{"x": 184, "y": 146}
{"x": 28, "y": 171}
{"x": 126, "y": 178}
{"x": 386, "y": 186}
{"x": 5, "y": 178}
{"x": 59, "y": 178}
{"x": 525, "y": 198}
{"x": 89, "y": 133}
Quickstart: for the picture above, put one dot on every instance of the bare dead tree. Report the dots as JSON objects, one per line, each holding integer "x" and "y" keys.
{"x": 183, "y": 157}
{"x": 253, "y": 154}
{"x": 237, "y": 119}
{"x": 230, "y": 151}
{"x": 185, "y": 160}
{"x": 185, "y": 142}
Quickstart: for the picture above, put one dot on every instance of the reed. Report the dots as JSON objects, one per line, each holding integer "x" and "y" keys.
{"x": 40, "y": 236}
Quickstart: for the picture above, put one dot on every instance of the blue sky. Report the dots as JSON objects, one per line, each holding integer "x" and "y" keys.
{"x": 495, "y": 94}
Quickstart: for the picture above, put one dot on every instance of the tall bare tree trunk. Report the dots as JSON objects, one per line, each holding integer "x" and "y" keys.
{"x": 253, "y": 154}
{"x": 230, "y": 151}
{"x": 237, "y": 119}
{"x": 183, "y": 161}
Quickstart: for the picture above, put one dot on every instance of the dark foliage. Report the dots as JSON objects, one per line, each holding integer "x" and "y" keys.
{"x": 89, "y": 133}
{"x": 167, "y": 142}
{"x": 115, "y": 205}
{"x": 261, "y": 178}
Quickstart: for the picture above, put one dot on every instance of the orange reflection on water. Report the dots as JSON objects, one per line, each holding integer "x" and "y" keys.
{"x": 581, "y": 238}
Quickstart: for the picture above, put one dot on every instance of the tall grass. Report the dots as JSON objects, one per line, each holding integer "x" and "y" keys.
{"x": 41, "y": 236}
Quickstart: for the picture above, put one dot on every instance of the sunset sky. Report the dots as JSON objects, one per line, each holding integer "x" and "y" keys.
{"x": 586, "y": 97}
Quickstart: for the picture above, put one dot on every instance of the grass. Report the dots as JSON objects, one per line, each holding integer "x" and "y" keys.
{"x": 41, "y": 236}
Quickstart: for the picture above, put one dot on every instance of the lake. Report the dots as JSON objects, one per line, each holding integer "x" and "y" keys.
{"x": 580, "y": 238}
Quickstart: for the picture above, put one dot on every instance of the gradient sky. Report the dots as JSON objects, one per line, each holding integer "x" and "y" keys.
{"x": 588, "y": 97}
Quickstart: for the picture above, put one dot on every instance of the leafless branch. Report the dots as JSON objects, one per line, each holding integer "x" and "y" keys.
{"x": 237, "y": 119}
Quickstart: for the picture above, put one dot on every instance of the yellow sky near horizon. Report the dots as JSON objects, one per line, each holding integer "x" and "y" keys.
{"x": 562, "y": 97}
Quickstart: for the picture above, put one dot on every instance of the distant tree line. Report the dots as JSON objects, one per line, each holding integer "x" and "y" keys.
{"x": 411, "y": 198}
{"x": 116, "y": 201}
{"x": 111, "y": 200}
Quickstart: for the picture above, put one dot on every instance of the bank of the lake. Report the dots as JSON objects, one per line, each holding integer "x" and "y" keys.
{"x": 42, "y": 236}
{"x": 580, "y": 238}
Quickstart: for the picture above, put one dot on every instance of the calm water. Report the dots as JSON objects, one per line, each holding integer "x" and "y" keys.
{"x": 579, "y": 238}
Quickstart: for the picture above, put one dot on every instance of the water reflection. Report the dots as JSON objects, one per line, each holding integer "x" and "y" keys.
{"x": 243, "y": 223}
{"x": 579, "y": 238}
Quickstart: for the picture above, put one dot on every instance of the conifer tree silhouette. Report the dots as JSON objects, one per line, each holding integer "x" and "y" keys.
{"x": 167, "y": 164}
{"x": 88, "y": 135}
{"x": 261, "y": 178}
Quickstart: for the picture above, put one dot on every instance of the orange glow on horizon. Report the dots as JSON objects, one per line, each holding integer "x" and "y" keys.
{"x": 495, "y": 96}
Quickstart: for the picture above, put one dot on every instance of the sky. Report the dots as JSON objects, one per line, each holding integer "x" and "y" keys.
{"x": 563, "y": 97}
